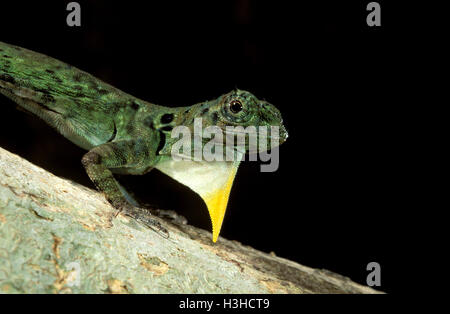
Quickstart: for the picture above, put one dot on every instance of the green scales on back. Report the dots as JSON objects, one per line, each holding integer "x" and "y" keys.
{"x": 126, "y": 135}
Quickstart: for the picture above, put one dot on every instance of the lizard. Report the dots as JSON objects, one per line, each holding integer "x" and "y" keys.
{"x": 126, "y": 135}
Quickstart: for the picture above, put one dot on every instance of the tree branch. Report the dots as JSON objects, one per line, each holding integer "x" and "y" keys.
{"x": 58, "y": 237}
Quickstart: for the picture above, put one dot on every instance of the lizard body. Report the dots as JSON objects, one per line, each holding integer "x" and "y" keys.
{"x": 127, "y": 135}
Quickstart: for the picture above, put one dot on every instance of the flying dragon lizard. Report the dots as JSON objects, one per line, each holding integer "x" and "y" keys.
{"x": 127, "y": 135}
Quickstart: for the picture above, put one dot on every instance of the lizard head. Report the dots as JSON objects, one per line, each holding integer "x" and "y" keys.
{"x": 238, "y": 114}
{"x": 238, "y": 110}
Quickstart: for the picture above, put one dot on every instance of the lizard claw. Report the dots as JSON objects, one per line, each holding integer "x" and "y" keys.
{"x": 144, "y": 216}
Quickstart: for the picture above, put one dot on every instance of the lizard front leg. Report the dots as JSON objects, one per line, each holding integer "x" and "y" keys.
{"x": 122, "y": 154}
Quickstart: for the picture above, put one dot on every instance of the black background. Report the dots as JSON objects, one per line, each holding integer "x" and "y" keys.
{"x": 333, "y": 202}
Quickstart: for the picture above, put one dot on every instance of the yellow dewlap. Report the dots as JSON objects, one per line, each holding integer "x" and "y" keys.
{"x": 217, "y": 204}
{"x": 211, "y": 180}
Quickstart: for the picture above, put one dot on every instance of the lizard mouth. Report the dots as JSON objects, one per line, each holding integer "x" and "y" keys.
{"x": 246, "y": 142}
{"x": 280, "y": 138}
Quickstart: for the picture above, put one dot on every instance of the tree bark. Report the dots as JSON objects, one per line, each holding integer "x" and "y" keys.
{"x": 59, "y": 237}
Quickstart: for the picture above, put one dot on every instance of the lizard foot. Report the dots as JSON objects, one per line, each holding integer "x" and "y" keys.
{"x": 142, "y": 215}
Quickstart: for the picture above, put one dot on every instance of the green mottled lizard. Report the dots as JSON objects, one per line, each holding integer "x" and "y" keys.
{"x": 126, "y": 135}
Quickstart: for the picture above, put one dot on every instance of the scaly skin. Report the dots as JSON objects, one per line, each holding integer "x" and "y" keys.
{"x": 123, "y": 134}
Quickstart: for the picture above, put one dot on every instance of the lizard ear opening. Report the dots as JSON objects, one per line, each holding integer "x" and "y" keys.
{"x": 166, "y": 118}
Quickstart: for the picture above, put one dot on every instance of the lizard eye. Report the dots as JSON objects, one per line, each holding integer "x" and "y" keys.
{"x": 235, "y": 106}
